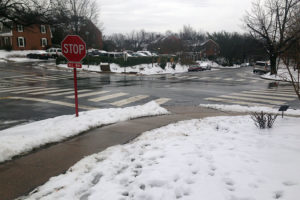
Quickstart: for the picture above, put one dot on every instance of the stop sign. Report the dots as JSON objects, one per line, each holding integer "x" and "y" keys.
{"x": 73, "y": 48}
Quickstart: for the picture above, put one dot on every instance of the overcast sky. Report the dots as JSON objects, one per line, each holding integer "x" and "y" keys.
{"x": 123, "y": 16}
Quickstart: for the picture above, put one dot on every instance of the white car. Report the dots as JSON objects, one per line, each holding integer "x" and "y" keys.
{"x": 54, "y": 52}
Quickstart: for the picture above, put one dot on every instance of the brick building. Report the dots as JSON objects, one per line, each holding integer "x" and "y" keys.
{"x": 209, "y": 49}
{"x": 19, "y": 37}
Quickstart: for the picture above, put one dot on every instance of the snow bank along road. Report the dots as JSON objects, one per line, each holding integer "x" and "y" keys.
{"x": 21, "y": 139}
{"x": 215, "y": 158}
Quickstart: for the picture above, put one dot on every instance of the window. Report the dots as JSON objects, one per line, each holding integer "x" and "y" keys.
{"x": 43, "y": 29}
{"x": 1, "y": 27}
{"x": 21, "y": 42}
{"x": 44, "y": 42}
{"x": 20, "y": 28}
{"x": 6, "y": 41}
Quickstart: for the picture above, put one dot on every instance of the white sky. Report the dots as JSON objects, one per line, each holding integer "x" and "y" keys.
{"x": 123, "y": 16}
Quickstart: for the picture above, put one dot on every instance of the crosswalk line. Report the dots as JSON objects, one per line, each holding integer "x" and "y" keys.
{"x": 129, "y": 100}
{"x": 255, "y": 100}
{"x": 182, "y": 77}
{"x": 236, "y": 102}
{"x": 50, "y": 91}
{"x": 271, "y": 93}
{"x": 161, "y": 101}
{"x": 33, "y": 90}
{"x": 17, "y": 76}
{"x": 254, "y": 81}
{"x": 203, "y": 78}
{"x": 240, "y": 80}
{"x": 263, "y": 96}
{"x": 112, "y": 96}
{"x": 15, "y": 89}
{"x": 194, "y": 77}
{"x": 275, "y": 92}
{"x": 70, "y": 92}
{"x": 228, "y": 79}
{"x": 88, "y": 94}
{"x": 217, "y": 78}
{"x": 52, "y": 102}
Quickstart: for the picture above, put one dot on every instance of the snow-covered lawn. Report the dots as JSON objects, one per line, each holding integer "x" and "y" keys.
{"x": 219, "y": 158}
{"x": 246, "y": 109}
{"x": 282, "y": 75}
{"x": 17, "y": 56}
{"x": 20, "y": 139}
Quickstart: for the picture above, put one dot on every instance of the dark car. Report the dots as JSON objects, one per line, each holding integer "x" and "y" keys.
{"x": 38, "y": 55}
{"x": 195, "y": 68}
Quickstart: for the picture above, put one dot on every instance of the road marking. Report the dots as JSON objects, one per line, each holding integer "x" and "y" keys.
{"x": 129, "y": 100}
{"x": 18, "y": 76}
{"x": 33, "y": 90}
{"x": 271, "y": 93}
{"x": 15, "y": 89}
{"x": 88, "y": 94}
{"x": 237, "y": 102}
{"x": 228, "y": 79}
{"x": 51, "y": 102}
{"x": 275, "y": 92}
{"x": 256, "y": 100}
{"x": 263, "y": 96}
{"x": 204, "y": 78}
{"x": 182, "y": 77}
{"x": 112, "y": 96}
{"x": 193, "y": 77}
{"x": 51, "y": 91}
{"x": 217, "y": 78}
{"x": 253, "y": 81}
{"x": 71, "y": 92}
{"x": 162, "y": 100}
{"x": 240, "y": 80}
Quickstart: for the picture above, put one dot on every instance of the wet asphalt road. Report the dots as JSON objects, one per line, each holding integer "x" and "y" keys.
{"x": 35, "y": 91}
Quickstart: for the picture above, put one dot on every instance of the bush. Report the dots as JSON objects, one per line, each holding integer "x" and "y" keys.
{"x": 263, "y": 120}
{"x": 131, "y": 61}
{"x": 7, "y": 47}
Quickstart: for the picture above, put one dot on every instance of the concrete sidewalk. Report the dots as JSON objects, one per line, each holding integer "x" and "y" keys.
{"x": 21, "y": 175}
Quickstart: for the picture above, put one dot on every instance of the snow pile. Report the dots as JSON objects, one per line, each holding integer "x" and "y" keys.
{"x": 218, "y": 158}
{"x": 215, "y": 65}
{"x": 91, "y": 68}
{"x": 148, "y": 69}
{"x": 246, "y": 109}
{"x": 282, "y": 75}
{"x": 20, "y": 139}
{"x": 145, "y": 69}
{"x": 17, "y": 56}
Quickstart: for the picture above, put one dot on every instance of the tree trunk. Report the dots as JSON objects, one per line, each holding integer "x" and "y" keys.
{"x": 273, "y": 58}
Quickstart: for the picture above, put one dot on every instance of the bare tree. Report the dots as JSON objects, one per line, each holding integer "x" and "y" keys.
{"x": 26, "y": 12}
{"x": 270, "y": 22}
{"x": 74, "y": 13}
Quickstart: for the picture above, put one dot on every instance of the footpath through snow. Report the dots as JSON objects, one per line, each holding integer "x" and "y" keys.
{"x": 218, "y": 158}
{"x": 21, "y": 139}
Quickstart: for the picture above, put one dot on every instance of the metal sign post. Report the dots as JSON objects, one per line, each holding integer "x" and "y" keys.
{"x": 74, "y": 49}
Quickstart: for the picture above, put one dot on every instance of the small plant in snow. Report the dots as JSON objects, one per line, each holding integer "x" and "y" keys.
{"x": 263, "y": 120}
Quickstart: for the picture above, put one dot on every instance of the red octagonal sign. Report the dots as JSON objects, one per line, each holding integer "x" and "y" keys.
{"x": 73, "y": 48}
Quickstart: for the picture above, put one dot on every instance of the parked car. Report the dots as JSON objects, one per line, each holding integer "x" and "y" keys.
{"x": 261, "y": 67}
{"x": 38, "y": 55}
{"x": 54, "y": 52}
{"x": 195, "y": 68}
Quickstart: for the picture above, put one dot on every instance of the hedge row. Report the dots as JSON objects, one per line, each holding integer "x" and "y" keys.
{"x": 131, "y": 61}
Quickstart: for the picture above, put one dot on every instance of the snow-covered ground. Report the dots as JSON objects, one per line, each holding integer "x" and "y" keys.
{"x": 20, "y": 139}
{"x": 213, "y": 64}
{"x": 17, "y": 56}
{"x": 282, "y": 75}
{"x": 246, "y": 109}
{"x": 145, "y": 69}
{"x": 218, "y": 158}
